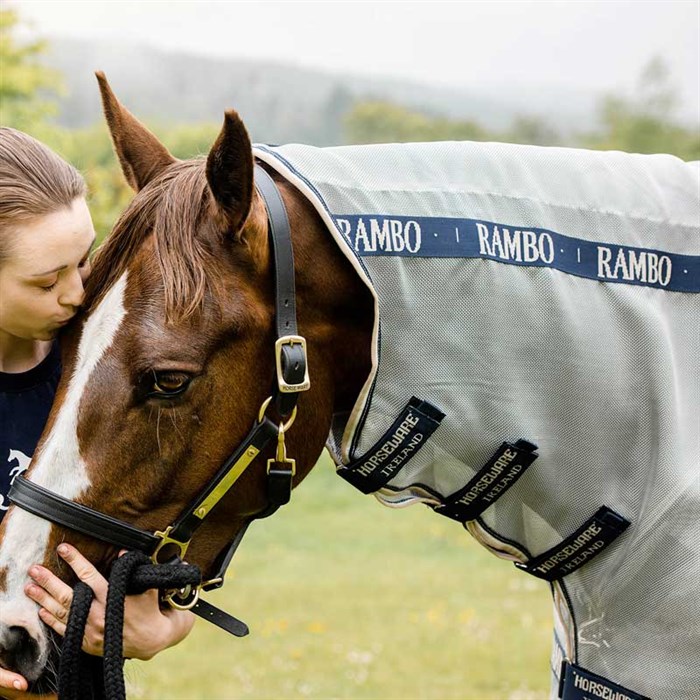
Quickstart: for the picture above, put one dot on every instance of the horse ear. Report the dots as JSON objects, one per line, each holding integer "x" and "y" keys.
{"x": 230, "y": 171}
{"x": 141, "y": 154}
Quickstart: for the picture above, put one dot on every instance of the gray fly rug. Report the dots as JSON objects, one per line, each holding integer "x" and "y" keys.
{"x": 536, "y": 377}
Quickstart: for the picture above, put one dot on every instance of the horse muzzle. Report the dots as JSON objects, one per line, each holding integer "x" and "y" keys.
{"x": 24, "y": 640}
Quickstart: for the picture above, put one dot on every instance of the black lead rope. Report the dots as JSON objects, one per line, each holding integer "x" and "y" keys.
{"x": 85, "y": 677}
{"x": 80, "y": 675}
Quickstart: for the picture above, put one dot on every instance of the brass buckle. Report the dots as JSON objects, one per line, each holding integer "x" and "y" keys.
{"x": 165, "y": 540}
{"x": 284, "y": 386}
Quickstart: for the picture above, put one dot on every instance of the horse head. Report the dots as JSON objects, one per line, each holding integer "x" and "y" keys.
{"x": 172, "y": 357}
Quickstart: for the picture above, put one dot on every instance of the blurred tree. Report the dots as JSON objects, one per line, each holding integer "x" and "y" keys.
{"x": 531, "y": 130}
{"x": 384, "y": 122}
{"x": 338, "y": 103}
{"x": 26, "y": 87}
{"x": 187, "y": 140}
{"x": 24, "y": 83}
{"x": 645, "y": 122}
{"x": 90, "y": 150}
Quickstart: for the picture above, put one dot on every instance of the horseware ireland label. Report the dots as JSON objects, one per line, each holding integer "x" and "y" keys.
{"x": 416, "y": 423}
{"x": 577, "y": 549}
{"x": 490, "y": 482}
{"x": 579, "y": 684}
{"x": 437, "y": 237}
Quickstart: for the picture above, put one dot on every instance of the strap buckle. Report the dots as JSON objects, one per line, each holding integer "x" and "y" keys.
{"x": 284, "y": 386}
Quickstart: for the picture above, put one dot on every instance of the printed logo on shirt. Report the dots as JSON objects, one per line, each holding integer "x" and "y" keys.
{"x": 22, "y": 464}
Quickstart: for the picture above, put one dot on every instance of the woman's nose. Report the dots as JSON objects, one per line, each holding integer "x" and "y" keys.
{"x": 73, "y": 291}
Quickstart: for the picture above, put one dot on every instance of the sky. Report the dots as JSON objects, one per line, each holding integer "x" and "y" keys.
{"x": 595, "y": 45}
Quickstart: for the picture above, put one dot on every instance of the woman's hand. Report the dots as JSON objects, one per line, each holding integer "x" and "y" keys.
{"x": 14, "y": 687}
{"x": 147, "y": 628}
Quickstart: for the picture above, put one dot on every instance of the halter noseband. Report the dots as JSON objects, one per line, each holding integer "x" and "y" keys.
{"x": 171, "y": 543}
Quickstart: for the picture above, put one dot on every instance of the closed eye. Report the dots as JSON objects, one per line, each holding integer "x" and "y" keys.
{"x": 167, "y": 384}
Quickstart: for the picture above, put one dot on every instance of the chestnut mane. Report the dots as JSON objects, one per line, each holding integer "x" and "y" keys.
{"x": 171, "y": 208}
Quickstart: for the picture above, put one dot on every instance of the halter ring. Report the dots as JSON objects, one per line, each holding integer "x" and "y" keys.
{"x": 189, "y": 595}
{"x": 283, "y": 427}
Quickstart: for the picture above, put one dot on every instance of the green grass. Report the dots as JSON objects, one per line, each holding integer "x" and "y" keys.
{"x": 348, "y": 599}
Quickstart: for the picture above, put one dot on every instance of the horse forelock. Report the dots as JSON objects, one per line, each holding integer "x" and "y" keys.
{"x": 172, "y": 209}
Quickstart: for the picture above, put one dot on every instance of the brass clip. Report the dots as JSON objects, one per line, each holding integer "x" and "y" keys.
{"x": 281, "y": 452}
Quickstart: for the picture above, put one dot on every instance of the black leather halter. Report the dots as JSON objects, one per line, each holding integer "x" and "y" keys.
{"x": 171, "y": 543}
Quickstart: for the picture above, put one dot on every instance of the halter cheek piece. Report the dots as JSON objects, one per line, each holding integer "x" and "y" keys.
{"x": 170, "y": 544}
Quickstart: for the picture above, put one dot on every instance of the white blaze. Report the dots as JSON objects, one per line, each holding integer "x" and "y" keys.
{"x": 58, "y": 467}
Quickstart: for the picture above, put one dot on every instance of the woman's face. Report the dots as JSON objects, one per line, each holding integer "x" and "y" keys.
{"x": 41, "y": 279}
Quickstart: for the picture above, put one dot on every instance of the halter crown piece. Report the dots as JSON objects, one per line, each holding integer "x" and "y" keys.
{"x": 170, "y": 544}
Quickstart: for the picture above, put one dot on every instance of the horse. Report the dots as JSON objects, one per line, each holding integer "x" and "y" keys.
{"x": 534, "y": 386}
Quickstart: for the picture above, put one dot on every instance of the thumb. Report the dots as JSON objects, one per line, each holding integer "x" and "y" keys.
{"x": 8, "y": 679}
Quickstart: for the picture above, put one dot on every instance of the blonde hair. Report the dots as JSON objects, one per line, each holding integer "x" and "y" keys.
{"x": 34, "y": 181}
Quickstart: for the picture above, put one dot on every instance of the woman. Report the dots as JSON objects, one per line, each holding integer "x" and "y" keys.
{"x": 46, "y": 235}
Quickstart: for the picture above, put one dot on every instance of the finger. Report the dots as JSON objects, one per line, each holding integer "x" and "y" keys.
{"x": 151, "y": 596}
{"x": 93, "y": 641}
{"x": 181, "y": 623}
{"x": 52, "y": 621}
{"x": 12, "y": 680}
{"x": 84, "y": 570}
{"x": 61, "y": 592}
{"x": 59, "y": 609}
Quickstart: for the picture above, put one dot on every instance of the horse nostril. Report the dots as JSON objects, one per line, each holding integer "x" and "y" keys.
{"x": 20, "y": 651}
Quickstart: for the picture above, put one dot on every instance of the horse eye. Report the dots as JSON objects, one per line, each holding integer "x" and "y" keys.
{"x": 167, "y": 384}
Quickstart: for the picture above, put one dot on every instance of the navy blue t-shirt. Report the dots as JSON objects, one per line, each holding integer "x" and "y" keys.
{"x": 25, "y": 402}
